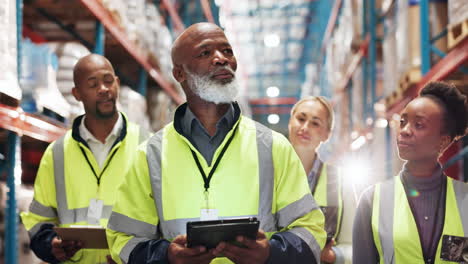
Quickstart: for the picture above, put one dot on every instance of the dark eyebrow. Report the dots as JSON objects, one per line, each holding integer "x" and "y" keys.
{"x": 207, "y": 45}
{"x": 90, "y": 78}
{"x": 204, "y": 46}
{"x": 420, "y": 117}
{"x": 313, "y": 117}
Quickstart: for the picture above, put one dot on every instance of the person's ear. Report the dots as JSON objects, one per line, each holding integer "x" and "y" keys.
{"x": 76, "y": 94}
{"x": 178, "y": 73}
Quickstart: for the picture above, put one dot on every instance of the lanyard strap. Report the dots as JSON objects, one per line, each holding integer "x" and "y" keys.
{"x": 315, "y": 173}
{"x": 207, "y": 180}
{"x": 98, "y": 179}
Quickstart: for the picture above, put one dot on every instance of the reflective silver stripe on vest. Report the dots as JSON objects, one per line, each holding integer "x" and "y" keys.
{"x": 386, "y": 207}
{"x": 292, "y": 211}
{"x": 42, "y": 210}
{"x": 122, "y": 223}
{"x": 266, "y": 173}
{"x": 153, "y": 156}
{"x": 128, "y": 248}
{"x": 65, "y": 215}
{"x": 461, "y": 194}
{"x": 37, "y": 227}
{"x": 332, "y": 186}
{"x": 309, "y": 239}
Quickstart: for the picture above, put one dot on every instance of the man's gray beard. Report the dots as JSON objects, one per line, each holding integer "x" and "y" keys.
{"x": 211, "y": 90}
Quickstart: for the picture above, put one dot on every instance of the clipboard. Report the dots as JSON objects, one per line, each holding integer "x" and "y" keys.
{"x": 92, "y": 237}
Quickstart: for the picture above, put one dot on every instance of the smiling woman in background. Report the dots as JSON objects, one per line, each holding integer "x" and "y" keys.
{"x": 405, "y": 219}
{"x": 311, "y": 123}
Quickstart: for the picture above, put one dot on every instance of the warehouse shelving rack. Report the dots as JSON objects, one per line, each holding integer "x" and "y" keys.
{"x": 455, "y": 60}
{"x": 39, "y": 127}
{"x": 365, "y": 57}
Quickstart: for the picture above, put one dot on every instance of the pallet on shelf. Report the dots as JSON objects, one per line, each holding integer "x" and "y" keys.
{"x": 394, "y": 97}
{"x": 457, "y": 33}
{"x": 410, "y": 78}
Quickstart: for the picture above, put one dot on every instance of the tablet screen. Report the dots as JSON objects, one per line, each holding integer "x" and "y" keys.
{"x": 211, "y": 233}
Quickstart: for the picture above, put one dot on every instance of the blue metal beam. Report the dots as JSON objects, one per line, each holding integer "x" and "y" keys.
{"x": 307, "y": 46}
{"x": 19, "y": 35}
{"x": 372, "y": 51}
{"x": 11, "y": 215}
{"x": 365, "y": 61}
{"x": 99, "y": 38}
{"x": 143, "y": 81}
{"x": 425, "y": 36}
{"x": 439, "y": 36}
{"x": 215, "y": 12}
{"x": 437, "y": 51}
{"x": 11, "y": 226}
{"x": 198, "y": 16}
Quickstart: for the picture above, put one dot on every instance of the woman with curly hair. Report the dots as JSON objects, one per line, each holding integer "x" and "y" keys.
{"x": 405, "y": 219}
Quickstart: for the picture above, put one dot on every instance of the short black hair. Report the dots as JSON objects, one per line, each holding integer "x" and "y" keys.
{"x": 454, "y": 103}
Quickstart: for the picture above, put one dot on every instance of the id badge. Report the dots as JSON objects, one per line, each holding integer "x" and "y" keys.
{"x": 95, "y": 211}
{"x": 455, "y": 249}
{"x": 208, "y": 211}
{"x": 208, "y": 214}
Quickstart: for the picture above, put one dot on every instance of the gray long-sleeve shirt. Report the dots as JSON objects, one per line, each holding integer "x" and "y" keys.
{"x": 427, "y": 200}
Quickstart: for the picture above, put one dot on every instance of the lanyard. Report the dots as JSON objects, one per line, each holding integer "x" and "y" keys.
{"x": 315, "y": 173}
{"x": 98, "y": 179}
{"x": 207, "y": 180}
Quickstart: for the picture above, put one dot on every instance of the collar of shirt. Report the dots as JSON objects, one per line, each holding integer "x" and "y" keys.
{"x": 88, "y": 136}
{"x": 189, "y": 118}
{"x": 423, "y": 184}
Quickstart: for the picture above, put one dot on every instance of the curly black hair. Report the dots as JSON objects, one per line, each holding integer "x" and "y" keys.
{"x": 454, "y": 103}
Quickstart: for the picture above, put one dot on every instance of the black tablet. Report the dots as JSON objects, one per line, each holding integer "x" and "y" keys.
{"x": 211, "y": 233}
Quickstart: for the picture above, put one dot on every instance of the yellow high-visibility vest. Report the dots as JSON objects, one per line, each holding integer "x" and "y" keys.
{"x": 259, "y": 175}
{"x": 394, "y": 228}
{"x": 65, "y": 183}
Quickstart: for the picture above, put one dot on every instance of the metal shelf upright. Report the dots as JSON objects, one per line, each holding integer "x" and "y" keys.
{"x": 11, "y": 213}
